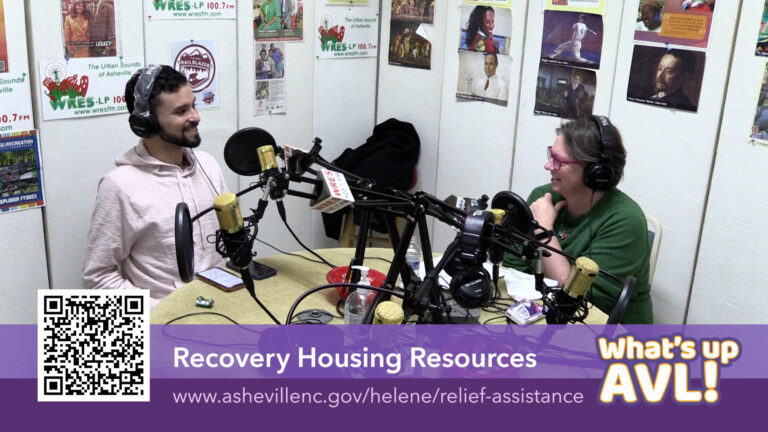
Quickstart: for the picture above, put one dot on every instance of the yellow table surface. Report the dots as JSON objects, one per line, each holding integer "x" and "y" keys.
{"x": 278, "y": 293}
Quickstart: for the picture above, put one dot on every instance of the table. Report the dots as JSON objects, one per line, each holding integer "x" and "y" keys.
{"x": 294, "y": 276}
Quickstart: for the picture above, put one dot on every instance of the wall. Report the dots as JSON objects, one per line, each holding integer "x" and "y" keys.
{"x": 671, "y": 153}
{"x": 730, "y": 283}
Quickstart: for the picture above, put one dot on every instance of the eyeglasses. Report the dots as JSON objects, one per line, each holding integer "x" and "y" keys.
{"x": 557, "y": 163}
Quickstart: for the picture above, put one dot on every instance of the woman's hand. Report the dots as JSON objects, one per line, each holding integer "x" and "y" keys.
{"x": 545, "y": 212}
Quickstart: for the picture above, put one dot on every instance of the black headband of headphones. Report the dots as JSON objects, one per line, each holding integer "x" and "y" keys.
{"x": 607, "y": 134}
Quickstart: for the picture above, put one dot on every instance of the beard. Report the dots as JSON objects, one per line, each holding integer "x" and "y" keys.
{"x": 181, "y": 139}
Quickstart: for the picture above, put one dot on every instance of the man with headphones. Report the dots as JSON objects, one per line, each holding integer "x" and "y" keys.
{"x": 131, "y": 239}
{"x": 590, "y": 217}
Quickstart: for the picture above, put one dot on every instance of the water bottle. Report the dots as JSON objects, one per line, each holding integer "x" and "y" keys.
{"x": 413, "y": 255}
{"x": 358, "y": 302}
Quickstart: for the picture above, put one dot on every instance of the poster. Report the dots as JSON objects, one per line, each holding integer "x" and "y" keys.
{"x": 484, "y": 77}
{"x": 276, "y": 20}
{"x": 347, "y": 35}
{"x": 572, "y": 38}
{"x": 409, "y": 45}
{"x": 762, "y": 36}
{"x": 669, "y": 78}
{"x": 197, "y": 60}
{"x": 271, "y": 72}
{"x": 759, "y": 132}
{"x": 564, "y": 91}
{"x": 588, "y": 6}
{"x": 15, "y": 93}
{"x": 488, "y": 29}
{"x": 190, "y": 9}
{"x": 679, "y": 22}
{"x": 89, "y": 28}
{"x": 3, "y": 41}
{"x": 84, "y": 87}
{"x": 21, "y": 175}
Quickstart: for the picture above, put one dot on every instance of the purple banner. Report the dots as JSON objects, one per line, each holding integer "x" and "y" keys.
{"x": 373, "y": 405}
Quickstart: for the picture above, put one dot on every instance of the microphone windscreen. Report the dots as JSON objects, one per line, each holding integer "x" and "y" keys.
{"x": 228, "y": 213}
{"x": 580, "y": 278}
{"x": 240, "y": 151}
{"x": 388, "y": 312}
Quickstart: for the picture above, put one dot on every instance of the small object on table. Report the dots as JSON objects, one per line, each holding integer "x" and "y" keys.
{"x": 204, "y": 302}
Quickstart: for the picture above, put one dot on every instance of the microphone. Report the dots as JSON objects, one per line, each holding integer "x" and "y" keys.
{"x": 267, "y": 160}
{"x": 570, "y": 299}
{"x": 236, "y": 245}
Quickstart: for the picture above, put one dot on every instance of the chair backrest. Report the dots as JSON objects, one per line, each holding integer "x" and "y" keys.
{"x": 654, "y": 240}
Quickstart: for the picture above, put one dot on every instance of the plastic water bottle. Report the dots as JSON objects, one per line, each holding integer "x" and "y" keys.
{"x": 413, "y": 255}
{"x": 358, "y": 302}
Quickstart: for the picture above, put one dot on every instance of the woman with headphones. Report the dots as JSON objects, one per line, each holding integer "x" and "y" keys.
{"x": 590, "y": 217}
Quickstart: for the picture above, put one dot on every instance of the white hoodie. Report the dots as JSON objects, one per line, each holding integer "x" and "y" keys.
{"x": 131, "y": 241}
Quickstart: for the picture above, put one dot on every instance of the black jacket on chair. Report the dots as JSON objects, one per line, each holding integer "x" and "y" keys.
{"x": 388, "y": 157}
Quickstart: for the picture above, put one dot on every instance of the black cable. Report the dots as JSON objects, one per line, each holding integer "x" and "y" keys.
{"x": 202, "y": 313}
{"x": 334, "y": 285}
{"x": 281, "y": 211}
{"x": 289, "y": 253}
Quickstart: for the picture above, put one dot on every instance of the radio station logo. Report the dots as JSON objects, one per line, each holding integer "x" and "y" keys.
{"x": 331, "y": 36}
{"x": 198, "y": 64}
{"x": 66, "y": 92}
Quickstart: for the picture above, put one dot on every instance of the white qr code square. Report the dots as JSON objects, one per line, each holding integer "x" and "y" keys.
{"x": 93, "y": 345}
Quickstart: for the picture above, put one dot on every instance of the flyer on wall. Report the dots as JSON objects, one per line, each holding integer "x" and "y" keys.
{"x": 759, "y": 133}
{"x": 84, "y": 87}
{"x": 3, "y": 41}
{"x": 409, "y": 44}
{"x": 679, "y": 22}
{"x": 89, "y": 28}
{"x": 271, "y": 94}
{"x": 588, "y": 6}
{"x": 565, "y": 91}
{"x": 484, "y": 77}
{"x": 15, "y": 91}
{"x": 572, "y": 38}
{"x": 347, "y": 34}
{"x": 190, "y": 9}
{"x": 762, "y": 36}
{"x": 485, "y": 29}
{"x": 21, "y": 175}
{"x": 196, "y": 59}
{"x": 278, "y": 20}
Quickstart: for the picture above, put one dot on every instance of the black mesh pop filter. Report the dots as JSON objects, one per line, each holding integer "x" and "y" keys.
{"x": 240, "y": 152}
{"x": 519, "y": 214}
{"x": 185, "y": 247}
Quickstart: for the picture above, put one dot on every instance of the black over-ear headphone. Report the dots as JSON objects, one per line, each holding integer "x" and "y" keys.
{"x": 142, "y": 122}
{"x": 601, "y": 175}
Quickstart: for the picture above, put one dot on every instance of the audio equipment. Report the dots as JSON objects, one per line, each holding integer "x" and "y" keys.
{"x": 601, "y": 175}
{"x": 142, "y": 122}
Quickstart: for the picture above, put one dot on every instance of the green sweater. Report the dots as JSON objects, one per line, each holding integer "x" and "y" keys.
{"x": 615, "y": 235}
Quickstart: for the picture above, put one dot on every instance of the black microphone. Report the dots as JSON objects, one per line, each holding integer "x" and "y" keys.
{"x": 569, "y": 300}
{"x": 236, "y": 245}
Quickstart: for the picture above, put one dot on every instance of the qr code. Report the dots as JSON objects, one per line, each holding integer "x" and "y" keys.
{"x": 93, "y": 345}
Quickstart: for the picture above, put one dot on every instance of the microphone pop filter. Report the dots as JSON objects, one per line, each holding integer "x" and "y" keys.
{"x": 240, "y": 152}
{"x": 519, "y": 214}
{"x": 185, "y": 247}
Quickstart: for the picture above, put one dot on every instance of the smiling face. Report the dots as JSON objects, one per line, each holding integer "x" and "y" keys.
{"x": 489, "y": 22}
{"x": 568, "y": 179}
{"x": 649, "y": 14}
{"x": 178, "y": 118}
